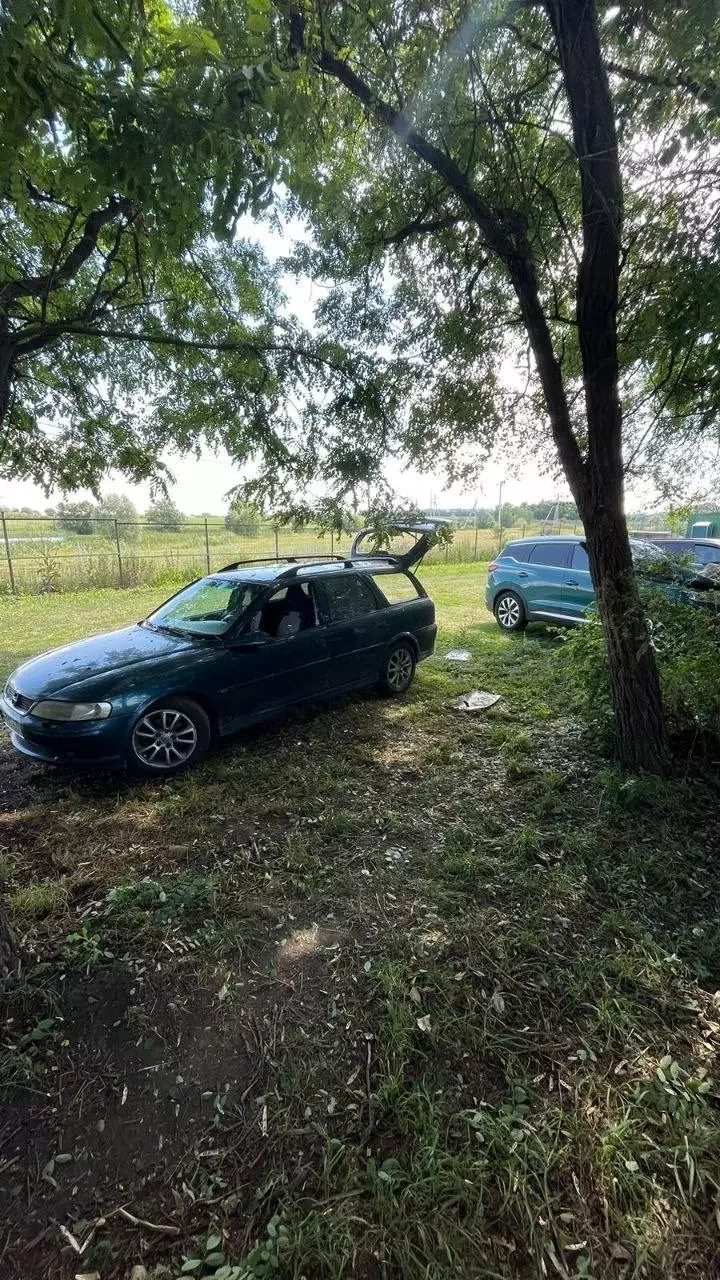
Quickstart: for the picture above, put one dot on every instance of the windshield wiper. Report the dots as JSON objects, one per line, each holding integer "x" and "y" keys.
{"x": 170, "y": 631}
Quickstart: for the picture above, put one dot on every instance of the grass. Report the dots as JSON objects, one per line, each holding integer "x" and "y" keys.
{"x": 382, "y": 990}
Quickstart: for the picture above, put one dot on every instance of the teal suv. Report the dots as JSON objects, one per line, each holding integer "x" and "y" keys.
{"x": 547, "y": 579}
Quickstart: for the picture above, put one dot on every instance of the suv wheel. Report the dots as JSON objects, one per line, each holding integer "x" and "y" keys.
{"x": 509, "y": 612}
{"x": 398, "y": 669}
{"x": 169, "y": 738}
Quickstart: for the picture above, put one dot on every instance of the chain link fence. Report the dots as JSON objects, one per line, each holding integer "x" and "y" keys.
{"x": 48, "y": 553}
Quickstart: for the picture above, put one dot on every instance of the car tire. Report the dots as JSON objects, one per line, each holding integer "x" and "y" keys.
{"x": 509, "y": 612}
{"x": 168, "y": 738}
{"x": 398, "y": 671}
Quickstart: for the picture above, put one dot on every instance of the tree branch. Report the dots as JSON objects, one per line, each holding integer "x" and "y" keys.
{"x": 505, "y": 237}
{"x": 418, "y": 227}
{"x": 36, "y": 286}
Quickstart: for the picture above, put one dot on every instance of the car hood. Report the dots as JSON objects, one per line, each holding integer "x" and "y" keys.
{"x": 74, "y": 664}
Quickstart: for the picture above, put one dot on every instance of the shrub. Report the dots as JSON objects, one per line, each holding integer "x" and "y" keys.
{"x": 76, "y": 517}
{"x": 116, "y": 507}
{"x": 164, "y": 516}
{"x": 686, "y": 641}
{"x": 243, "y": 520}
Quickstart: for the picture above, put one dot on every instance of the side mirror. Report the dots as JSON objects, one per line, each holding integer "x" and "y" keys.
{"x": 251, "y": 640}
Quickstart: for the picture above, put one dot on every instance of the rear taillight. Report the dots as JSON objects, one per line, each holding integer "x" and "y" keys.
{"x": 492, "y": 567}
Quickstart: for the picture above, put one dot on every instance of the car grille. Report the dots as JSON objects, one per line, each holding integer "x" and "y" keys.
{"x": 17, "y": 699}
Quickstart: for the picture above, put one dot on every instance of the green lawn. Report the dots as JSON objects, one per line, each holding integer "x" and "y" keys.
{"x": 380, "y": 991}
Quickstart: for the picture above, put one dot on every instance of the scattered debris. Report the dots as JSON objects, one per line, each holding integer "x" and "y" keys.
{"x": 476, "y": 700}
{"x": 458, "y": 655}
{"x": 424, "y": 1023}
{"x": 161, "y": 1228}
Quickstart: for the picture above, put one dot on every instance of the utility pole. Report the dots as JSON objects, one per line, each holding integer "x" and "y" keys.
{"x": 500, "y": 507}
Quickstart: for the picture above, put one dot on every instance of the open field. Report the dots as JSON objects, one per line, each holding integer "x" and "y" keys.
{"x": 45, "y": 558}
{"x": 379, "y": 991}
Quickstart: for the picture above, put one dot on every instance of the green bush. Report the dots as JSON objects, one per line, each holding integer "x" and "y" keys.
{"x": 687, "y": 650}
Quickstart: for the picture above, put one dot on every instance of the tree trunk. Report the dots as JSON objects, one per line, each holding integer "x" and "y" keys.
{"x": 9, "y": 950}
{"x": 637, "y": 702}
{"x": 7, "y": 359}
{"x": 639, "y": 724}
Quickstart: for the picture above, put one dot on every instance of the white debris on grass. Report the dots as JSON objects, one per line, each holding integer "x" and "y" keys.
{"x": 477, "y": 700}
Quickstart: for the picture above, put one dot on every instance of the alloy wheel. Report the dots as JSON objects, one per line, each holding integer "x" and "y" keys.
{"x": 164, "y": 739}
{"x": 399, "y": 668}
{"x": 508, "y": 612}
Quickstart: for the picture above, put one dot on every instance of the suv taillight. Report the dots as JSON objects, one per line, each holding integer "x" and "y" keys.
{"x": 492, "y": 567}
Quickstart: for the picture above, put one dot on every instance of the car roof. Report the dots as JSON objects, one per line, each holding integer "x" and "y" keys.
{"x": 689, "y": 537}
{"x": 291, "y": 570}
{"x": 548, "y": 537}
{"x": 568, "y": 538}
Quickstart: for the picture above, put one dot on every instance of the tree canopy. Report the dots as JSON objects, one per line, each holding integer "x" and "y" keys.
{"x": 390, "y": 117}
{"x": 130, "y": 320}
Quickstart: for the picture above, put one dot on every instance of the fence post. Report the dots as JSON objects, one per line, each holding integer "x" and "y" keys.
{"x": 523, "y": 532}
{"x": 476, "y": 538}
{"x": 119, "y": 554}
{"x": 207, "y": 546}
{"x": 332, "y": 544}
{"x": 277, "y": 545}
{"x": 447, "y": 551}
{"x": 11, "y": 571}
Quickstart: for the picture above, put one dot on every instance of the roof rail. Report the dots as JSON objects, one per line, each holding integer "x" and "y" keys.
{"x": 294, "y": 569}
{"x": 293, "y": 560}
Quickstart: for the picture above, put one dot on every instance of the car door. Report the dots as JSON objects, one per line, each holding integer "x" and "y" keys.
{"x": 265, "y": 672}
{"x": 545, "y": 569}
{"x": 353, "y": 615}
{"x": 578, "y": 592}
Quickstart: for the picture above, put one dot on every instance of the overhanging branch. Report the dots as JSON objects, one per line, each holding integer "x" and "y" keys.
{"x": 505, "y": 239}
{"x": 39, "y": 286}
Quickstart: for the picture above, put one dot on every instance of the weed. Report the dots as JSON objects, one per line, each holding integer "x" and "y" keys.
{"x": 38, "y": 900}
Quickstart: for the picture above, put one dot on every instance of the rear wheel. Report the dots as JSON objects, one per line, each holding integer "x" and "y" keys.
{"x": 509, "y": 612}
{"x": 398, "y": 669}
{"x": 172, "y": 736}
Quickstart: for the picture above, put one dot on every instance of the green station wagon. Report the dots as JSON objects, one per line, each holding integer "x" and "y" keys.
{"x": 231, "y": 649}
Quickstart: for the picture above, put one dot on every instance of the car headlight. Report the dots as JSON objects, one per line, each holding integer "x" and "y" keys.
{"x": 72, "y": 710}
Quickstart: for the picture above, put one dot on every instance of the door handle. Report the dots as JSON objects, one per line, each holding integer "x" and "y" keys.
{"x": 571, "y": 582}
{"x": 523, "y": 574}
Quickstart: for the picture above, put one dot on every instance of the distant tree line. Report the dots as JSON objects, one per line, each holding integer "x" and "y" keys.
{"x": 85, "y": 517}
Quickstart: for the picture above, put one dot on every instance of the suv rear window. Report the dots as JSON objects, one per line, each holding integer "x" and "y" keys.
{"x": 396, "y": 587}
{"x": 518, "y": 550}
{"x": 550, "y": 554}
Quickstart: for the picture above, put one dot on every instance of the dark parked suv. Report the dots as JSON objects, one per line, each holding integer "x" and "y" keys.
{"x": 702, "y": 551}
{"x": 230, "y": 649}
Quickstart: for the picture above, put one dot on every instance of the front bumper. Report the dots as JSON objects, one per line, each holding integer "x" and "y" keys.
{"x": 99, "y": 742}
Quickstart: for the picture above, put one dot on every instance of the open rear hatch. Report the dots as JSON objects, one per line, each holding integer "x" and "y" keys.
{"x": 424, "y": 533}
